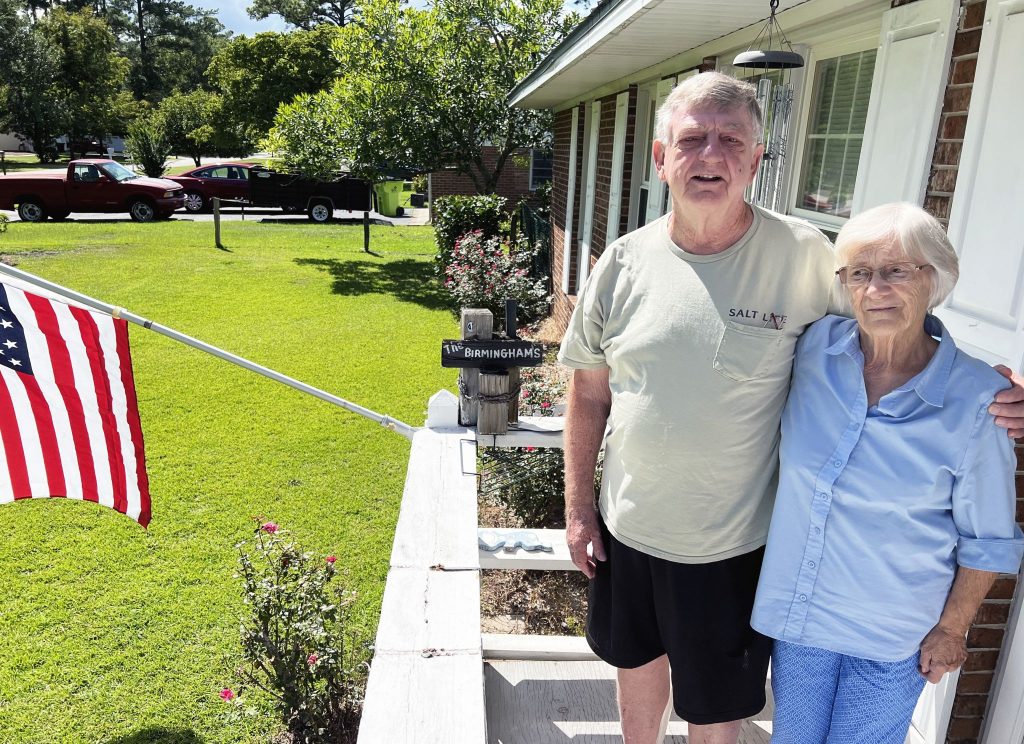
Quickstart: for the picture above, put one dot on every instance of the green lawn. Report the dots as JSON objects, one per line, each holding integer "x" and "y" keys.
{"x": 111, "y": 633}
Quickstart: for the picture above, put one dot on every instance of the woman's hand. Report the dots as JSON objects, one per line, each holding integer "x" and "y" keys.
{"x": 942, "y": 650}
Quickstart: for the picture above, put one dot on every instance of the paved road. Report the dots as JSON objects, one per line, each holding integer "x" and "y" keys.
{"x": 230, "y": 214}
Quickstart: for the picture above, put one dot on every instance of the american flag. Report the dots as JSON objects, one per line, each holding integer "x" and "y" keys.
{"x": 69, "y": 418}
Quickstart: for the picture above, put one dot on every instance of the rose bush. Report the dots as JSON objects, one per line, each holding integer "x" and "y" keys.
{"x": 294, "y": 639}
{"x": 485, "y": 271}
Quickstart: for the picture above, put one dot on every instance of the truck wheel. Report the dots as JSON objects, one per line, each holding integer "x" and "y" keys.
{"x": 31, "y": 211}
{"x": 195, "y": 202}
{"x": 320, "y": 212}
{"x": 141, "y": 211}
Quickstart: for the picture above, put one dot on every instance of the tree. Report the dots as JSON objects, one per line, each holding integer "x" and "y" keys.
{"x": 428, "y": 88}
{"x": 305, "y": 14}
{"x": 257, "y": 74}
{"x": 189, "y": 121}
{"x": 35, "y": 109}
{"x": 147, "y": 145}
{"x": 169, "y": 43}
{"x": 90, "y": 71}
{"x": 307, "y": 135}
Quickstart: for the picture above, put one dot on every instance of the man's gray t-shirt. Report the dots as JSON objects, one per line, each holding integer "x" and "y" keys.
{"x": 699, "y": 351}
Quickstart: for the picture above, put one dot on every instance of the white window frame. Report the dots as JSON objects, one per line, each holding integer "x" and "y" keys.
{"x": 815, "y": 55}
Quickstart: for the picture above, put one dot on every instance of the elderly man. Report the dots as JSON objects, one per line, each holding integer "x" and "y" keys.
{"x": 682, "y": 344}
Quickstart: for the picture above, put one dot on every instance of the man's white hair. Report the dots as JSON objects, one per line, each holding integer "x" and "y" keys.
{"x": 709, "y": 90}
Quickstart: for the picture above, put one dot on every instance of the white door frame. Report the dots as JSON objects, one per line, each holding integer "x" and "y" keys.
{"x": 1004, "y": 723}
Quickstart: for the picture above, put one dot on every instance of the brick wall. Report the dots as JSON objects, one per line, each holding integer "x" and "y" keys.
{"x": 513, "y": 183}
{"x": 953, "y": 122}
{"x": 562, "y": 305}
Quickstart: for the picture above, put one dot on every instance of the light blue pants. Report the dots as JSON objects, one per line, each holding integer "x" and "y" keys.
{"x": 822, "y": 697}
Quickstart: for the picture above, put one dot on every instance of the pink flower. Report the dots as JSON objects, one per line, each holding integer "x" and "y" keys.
{"x": 530, "y": 449}
{"x": 269, "y": 527}
{"x": 526, "y": 393}
{"x": 545, "y": 404}
{"x": 331, "y": 559}
{"x": 226, "y": 694}
{"x": 312, "y": 659}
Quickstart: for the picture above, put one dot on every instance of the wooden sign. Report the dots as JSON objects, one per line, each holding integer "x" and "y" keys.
{"x": 500, "y": 353}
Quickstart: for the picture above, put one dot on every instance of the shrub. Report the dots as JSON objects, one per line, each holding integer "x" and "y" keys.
{"x": 454, "y": 216}
{"x": 485, "y": 271}
{"x": 147, "y": 145}
{"x": 3, "y": 223}
{"x": 294, "y": 639}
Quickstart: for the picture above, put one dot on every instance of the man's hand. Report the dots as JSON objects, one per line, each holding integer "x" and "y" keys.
{"x": 582, "y": 530}
{"x": 942, "y": 650}
{"x": 1008, "y": 405}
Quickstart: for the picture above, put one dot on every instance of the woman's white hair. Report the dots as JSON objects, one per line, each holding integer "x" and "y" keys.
{"x": 914, "y": 232}
{"x": 711, "y": 90}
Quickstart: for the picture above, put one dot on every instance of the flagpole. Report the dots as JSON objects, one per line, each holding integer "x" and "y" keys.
{"x": 119, "y": 312}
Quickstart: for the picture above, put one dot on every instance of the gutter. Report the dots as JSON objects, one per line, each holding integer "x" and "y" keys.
{"x": 599, "y": 13}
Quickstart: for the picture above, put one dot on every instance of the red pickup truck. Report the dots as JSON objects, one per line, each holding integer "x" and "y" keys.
{"x": 90, "y": 186}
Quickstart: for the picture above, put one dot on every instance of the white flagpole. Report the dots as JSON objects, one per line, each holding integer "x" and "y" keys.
{"x": 119, "y": 312}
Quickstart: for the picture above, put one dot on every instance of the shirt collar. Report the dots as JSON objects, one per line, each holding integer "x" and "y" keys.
{"x": 930, "y": 383}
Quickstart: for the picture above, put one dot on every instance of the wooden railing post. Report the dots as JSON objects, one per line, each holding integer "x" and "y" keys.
{"x": 476, "y": 324}
{"x": 216, "y": 222}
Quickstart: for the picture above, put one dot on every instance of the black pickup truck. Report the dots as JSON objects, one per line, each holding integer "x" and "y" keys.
{"x": 318, "y": 199}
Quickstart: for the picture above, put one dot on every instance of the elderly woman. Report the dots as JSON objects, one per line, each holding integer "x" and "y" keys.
{"x": 895, "y": 507}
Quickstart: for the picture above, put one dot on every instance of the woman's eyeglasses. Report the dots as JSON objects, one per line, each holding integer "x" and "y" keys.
{"x": 897, "y": 273}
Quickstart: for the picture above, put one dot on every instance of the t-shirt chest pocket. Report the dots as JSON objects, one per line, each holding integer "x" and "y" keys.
{"x": 747, "y": 353}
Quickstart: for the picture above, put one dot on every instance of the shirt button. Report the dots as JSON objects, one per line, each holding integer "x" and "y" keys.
{"x": 822, "y": 495}
{"x": 803, "y": 597}
{"x": 810, "y": 563}
{"x": 817, "y": 530}
{"x": 838, "y": 463}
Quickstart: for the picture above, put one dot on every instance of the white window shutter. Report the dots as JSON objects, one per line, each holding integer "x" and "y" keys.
{"x": 906, "y": 99}
{"x": 985, "y": 312}
{"x": 656, "y": 198}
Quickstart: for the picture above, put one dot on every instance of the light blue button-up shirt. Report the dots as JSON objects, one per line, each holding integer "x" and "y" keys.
{"x": 878, "y": 505}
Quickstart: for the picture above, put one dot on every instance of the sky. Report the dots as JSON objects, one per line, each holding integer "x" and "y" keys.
{"x": 232, "y": 14}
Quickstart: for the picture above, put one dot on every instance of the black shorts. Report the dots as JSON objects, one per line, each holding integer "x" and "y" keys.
{"x": 641, "y": 607}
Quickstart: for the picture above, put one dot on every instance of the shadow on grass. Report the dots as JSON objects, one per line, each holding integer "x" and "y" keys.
{"x": 408, "y": 280}
{"x": 159, "y": 735}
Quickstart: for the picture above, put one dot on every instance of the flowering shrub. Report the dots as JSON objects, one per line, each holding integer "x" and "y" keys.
{"x": 294, "y": 639}
{"x": 539, "y": 392}
{"x": 454, "y": 216}
{"x": 484, "y": 272}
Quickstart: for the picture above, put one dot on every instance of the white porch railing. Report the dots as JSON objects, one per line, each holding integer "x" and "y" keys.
{"x": 426, "y": 681}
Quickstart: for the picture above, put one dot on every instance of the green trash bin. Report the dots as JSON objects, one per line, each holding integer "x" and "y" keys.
{"x": 389, "y": 198}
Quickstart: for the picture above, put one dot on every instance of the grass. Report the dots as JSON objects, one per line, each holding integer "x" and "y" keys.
{"x": 110, "y": 633}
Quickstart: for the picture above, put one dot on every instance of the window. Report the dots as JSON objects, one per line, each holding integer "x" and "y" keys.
{"x": 540, "y": 168}
{"x": 835, "y": 133}
{"x": 86, "y": 174}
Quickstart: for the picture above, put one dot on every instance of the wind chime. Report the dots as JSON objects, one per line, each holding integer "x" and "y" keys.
{"x": 776, "y": 100}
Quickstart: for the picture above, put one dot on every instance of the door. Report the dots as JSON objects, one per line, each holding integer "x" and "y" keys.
{"x": 87, "y": 190}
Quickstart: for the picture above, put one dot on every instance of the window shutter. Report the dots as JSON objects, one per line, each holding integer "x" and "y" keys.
{"x": 906, "y": 99}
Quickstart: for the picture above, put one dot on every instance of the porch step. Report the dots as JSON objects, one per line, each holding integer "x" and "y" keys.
{"x": 503, "y": 646}
{"x": 558, "y": 560}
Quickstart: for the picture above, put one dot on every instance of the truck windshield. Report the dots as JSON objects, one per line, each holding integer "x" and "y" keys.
{"x": 118, "y": 172}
